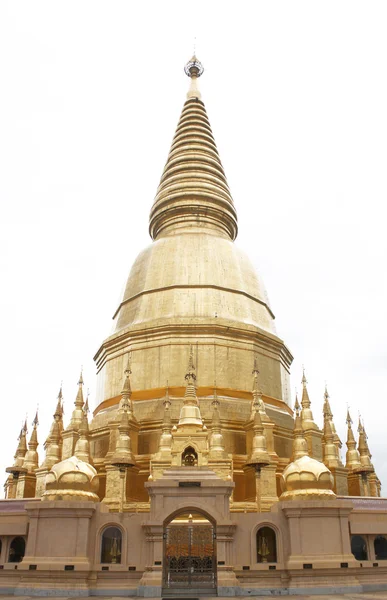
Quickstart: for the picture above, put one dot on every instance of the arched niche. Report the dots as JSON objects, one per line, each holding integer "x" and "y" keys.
{"x": 359, "y": 547}
{"x": 189, "y": 457}
{"x": 16, "y": 550}
{"x": 380, "y": 547}
{"x": 266, "y": 539}
{"x": 111, "y": 545}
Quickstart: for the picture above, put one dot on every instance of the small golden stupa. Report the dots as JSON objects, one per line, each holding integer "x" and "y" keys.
{"x": 305, "y": 478}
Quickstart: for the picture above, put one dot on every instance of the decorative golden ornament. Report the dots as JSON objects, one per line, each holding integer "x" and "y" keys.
{"x": 307, "y": 479}
{"x": 72, "y": 479}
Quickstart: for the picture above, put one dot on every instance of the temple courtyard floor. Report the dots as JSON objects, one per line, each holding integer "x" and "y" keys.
{"x": 349, "y": 596}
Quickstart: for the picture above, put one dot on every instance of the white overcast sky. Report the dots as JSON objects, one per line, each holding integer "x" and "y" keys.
{"x": 90, "y": 95}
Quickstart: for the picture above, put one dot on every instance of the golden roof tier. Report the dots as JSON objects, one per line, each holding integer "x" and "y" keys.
{"x": 193, "y": 285}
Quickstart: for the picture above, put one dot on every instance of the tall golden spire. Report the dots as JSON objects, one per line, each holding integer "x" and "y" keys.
{"x": 306, "y": 413}
{"x": 165, "y": 443}
{"x": 123, "y": 456}
{"x": 52, "y": 444}
{"x": 59, "y": 411}
{"x": 77, "y": 414}
{"x": 257, "y": 403}
{"x": 79, "y": 398}
{"x": 193, "y": 190}
{"x": 18, "y": 465}
{"x": 331, "y": 452}
{"x": 82, "y": 447}
{"x": 259, "y": 456}
{"x": 327, "y": 411}
{"x": 126, "y": 393}
{"x": 352, "y": 457}
{"x": 216, "y": 442}
{"x": 300, "y": 446}
{"x": 364, "y": 451}
{"x": 190, "y": 411}
{"x": 31, "y": 459}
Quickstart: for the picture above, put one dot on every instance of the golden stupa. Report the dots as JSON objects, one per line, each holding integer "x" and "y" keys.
{"x": 192, "y": 475}
{"x": 193, "y": 298}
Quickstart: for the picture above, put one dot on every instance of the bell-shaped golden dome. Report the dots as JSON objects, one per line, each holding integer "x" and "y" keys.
{"x": 193, "y": 285}
{"x": 72, "y": 479}
{"x": 307, "y": 479}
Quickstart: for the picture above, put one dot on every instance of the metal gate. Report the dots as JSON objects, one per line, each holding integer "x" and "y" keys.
{"x": 189, "y": 556}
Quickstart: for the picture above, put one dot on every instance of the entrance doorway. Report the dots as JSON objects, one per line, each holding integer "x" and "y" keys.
{"x": 189, "y": 554}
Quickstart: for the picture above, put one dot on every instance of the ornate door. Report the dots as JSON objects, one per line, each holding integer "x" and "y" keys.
{"x": 189, "y": 556}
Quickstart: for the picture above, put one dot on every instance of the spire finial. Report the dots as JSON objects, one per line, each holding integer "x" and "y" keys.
{"x": 167, "y": 401}
{"x": 35, "y": 422}
{"x": 327, "y": 407}
{"x": 297, "y": 406}
{"x": 86, "y": 408}
{"x": 194, "y": 69}
{"x": 215, "y": 402}
{"x": 360, "y": 426}
{"x": 128, "y": 370}
{"x": 126, "y": 393}
{"x": 79, "y": 398}
{"x": 80, "y": 382}
{"x": 190, "y": 412}
{"x": 255, "y": 368}
{"x": 191, "y": 367}
{"x": 126, "y": 390}
{"x": 303, "y": 380}
{"x": 59, "y": 410}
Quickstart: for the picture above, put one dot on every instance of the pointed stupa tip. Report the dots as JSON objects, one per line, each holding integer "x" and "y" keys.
{"x": 297, "y": 407}
{"x": 128, "y": 369}
{"x": 348, "y": 420}
{"x": 127, "y": 390}
{"x": 215, "y": 401}
{"x": 35, "y": 422}
{"x": 191, "y": 366}
{"x": 86, "y": 408}
{"x": 360, "y": 426}
{"x": 327, "y": 412}
{"x": 193, "y": 189}
{"x": 255, "y": 371}
{"x": 303, "y": 380}
{"x": 80, "y": 382}
{"x": 167, "y": 401}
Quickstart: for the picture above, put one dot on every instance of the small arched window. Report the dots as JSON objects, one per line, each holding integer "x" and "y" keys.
{"x": 359, "y": 547}
{"x": 111, "y": 545}
{"x": 266, "y": 545}
{"x": 189, "y": 457}
{"x": 17, "y": 550}
{"x": 380, "y": 545}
